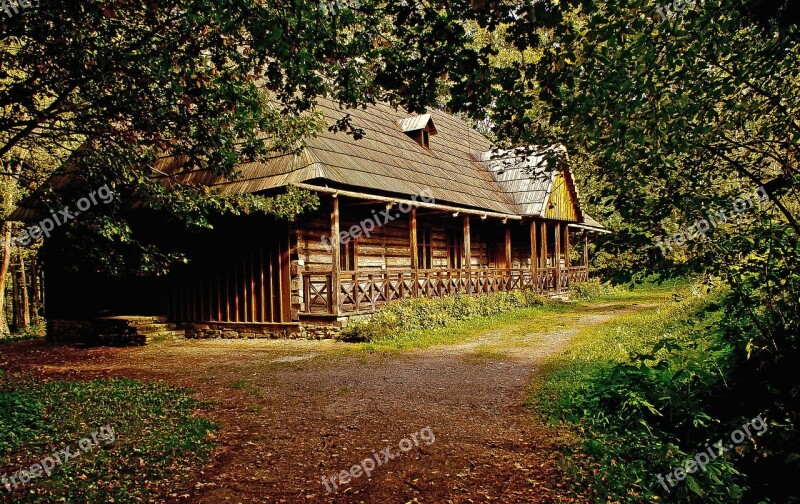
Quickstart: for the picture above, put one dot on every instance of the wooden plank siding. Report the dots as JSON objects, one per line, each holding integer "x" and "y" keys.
{"x": 244, "y": 284}
{"x": 562, "y": 204}
{"x": 495, "y": 256}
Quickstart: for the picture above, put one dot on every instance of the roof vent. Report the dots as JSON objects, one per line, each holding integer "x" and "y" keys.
{"x": 420, "y": 128}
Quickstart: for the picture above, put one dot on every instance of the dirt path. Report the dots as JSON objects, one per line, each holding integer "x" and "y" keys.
{"x": 295, "y": 411}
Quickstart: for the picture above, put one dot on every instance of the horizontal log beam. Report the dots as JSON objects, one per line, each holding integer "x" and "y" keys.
{"x": 418, "y": 204}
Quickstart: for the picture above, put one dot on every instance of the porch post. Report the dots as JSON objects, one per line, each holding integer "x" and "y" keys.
{"x": 534, "y": 254}
{"x": 558, "y": 256}
{"x": 335, "y": 257}
{"x": 412, "y": 237}
{"x": 544, "y": 246}
{"x": 508, "y": 255}
{"x": 468, "y": 254}
{"x": 586, "y": 252}
{"x": 566, "y": 252}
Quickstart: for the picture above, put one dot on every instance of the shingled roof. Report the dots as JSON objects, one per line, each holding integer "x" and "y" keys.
{"x": 457, "y": 169}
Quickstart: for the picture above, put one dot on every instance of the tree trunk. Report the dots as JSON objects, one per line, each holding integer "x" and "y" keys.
{"x": 36, "y": 302}
{"x": 15, "y": 298}
{"x": 6, "y": 261}
{"x": 25, "y": 304}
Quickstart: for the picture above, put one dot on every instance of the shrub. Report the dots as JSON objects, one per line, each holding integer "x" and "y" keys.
{"x": 409, "y": 315}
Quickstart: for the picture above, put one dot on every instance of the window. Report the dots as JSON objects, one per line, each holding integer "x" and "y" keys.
{"x": 420, "y": 128}
{"x": 424, "y": 250}
{"x": 455, "y": 249}
{"x": 347, "y": 255}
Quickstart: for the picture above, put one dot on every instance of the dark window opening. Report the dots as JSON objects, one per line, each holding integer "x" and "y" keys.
{"x": 347, "y": 256}
{"x": 455, "y": 249}
{"x": 424, "y": 250}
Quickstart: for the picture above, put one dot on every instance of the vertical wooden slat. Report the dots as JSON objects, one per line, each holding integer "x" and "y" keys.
{"x": 412, "y": 240}
{"x": 227, "y": 297}
{"x": 586, "y": 250}
{"x": 218, "y": 276}
{"x": 271, "y": 284}
{"x": 244, "y": 290}
{"x": 467, "y": 253}
{"x": 253, "y": 292}
{"x": 263, "y": 290}
{"x": 285, "y": 295}
{"x": 544, "y": 245}
{"x": 194, "y": 299}
{"x": 280, "y": 283}
{"x": 335, "y": 257}
{"x": 508, "y": 246}
{"x": 202, "y": 298}
{"x": 557, "y": 230}
{"x": 534, "y": 254}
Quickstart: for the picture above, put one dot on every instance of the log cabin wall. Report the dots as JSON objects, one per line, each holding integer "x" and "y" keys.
{"x": 243, "y": 278}
{"x": 375, "y": 263}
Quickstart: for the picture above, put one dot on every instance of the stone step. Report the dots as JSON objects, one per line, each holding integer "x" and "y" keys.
{"x": 152, "y": 328}
{"x": 164, "y": 336}
{"x": 135, "y": 319}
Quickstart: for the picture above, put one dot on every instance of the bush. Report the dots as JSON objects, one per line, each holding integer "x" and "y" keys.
{"x": 590, "y": 290}
{"x": 418, "y": 314}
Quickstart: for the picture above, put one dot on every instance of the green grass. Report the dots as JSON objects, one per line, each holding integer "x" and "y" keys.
{"x": 33, "y": 332}
{"x": 160, "y": 440}
{"x": 634, "y": 393}
{"x": 513, "y": 328}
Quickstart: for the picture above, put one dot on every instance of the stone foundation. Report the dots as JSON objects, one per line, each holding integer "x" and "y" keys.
{"x": 113, "y": 331}
{"x": 123, "y": 331}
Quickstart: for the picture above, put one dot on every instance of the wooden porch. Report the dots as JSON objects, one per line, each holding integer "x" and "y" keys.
{"x": 364, "y": 292}
{"x": 492, "y": 255}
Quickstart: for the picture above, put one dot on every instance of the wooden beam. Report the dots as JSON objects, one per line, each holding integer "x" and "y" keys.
{"x": 534, "y": 251}
{"x": 412, "y": 239}
{"x": 467, "y": 254}
{"x": 467, "y": 244}
{"x": 558, "y": 256}
{"x": 417, "y": 204}
{"x": 544, "y": 245}
{"x": 508, "y": 245}
{"x": 586, "y": 249}
{"x": 412, "y": 243}
{"x": 335, "y": 257}
{"x": 566, "y": 246}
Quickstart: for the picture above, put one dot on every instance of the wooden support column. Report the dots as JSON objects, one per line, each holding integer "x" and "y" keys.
{"x": 544, "y": 245}
{"x": 412, "y": 242}
{"x": 586, "y": 252}
{"x": 508, "y": 245}
{"x": 586, "y": 248}
{"x": 509, "y": 265}
{"x": 534, "y": 255}
{"x": 333, "y": 293}
{"x": 558, "y": 256}
{"x": 566, "y": 252}
{"x": 467, "y": 254}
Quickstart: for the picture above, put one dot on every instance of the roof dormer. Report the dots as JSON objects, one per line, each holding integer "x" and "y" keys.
{"x": 420, "y": 128}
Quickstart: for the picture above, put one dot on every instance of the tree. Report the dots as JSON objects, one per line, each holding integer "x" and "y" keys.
{"x": 107, "y": 89}
{"x": 674, "y": 116}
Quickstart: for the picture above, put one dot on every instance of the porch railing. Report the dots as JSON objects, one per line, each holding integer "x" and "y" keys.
{"x": 365, "y": 291}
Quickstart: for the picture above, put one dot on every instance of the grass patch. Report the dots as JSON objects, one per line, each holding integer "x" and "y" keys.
{"x": 634, "y": 392}
{"x": 508, "y": 328}
{"x": 34, "y": 332}
{"x": 248, "y": 387}
{"x": 485, "y": 354}
{"x": 159, "y": 439}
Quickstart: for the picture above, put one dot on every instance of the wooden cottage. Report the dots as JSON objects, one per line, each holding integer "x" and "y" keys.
{"x": 421, "y": 206}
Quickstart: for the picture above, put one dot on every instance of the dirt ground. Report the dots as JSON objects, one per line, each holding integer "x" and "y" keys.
{"x": 294, "y": 411}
